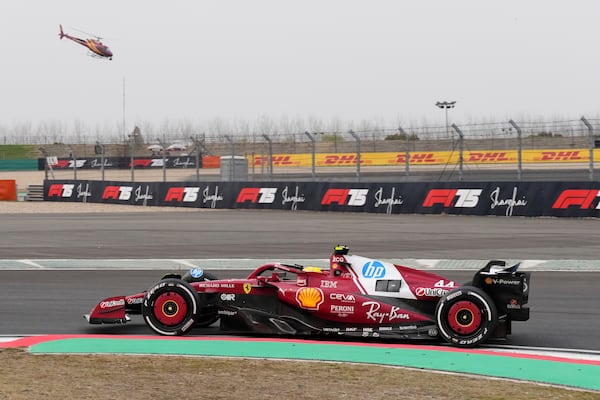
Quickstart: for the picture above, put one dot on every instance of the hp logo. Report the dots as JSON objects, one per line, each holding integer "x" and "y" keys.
{"x": 373, "y": 269}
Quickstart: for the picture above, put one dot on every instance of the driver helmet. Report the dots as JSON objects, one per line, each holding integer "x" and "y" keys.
{"x": 341, "y": 250}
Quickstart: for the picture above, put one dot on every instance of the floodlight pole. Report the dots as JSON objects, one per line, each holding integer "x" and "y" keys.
{"x": 445, "y": 105}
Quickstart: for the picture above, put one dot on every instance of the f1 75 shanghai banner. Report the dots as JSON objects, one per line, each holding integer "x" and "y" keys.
{"x": 558, "y": 199}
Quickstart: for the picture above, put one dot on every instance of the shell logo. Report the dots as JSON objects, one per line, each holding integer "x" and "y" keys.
{"x": 310, "y": 298}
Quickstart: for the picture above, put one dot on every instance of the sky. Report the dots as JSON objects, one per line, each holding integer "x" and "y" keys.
{"x": 199, "y": 60}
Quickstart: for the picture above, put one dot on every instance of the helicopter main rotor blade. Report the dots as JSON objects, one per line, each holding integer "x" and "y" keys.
{"x": 85, "y": 33}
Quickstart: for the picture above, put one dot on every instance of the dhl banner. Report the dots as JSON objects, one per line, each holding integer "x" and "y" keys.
{"x": 337, "y": 159}
{"x": 428, "y": 158}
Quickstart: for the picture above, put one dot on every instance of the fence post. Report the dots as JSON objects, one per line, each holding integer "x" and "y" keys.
{"x": 99, "y": 149}
{"x": 230, "y": 140}
{"x": 130, "y": 143}
{"x": 164, "y": 158}
{"x": 197, "y": 147}
{"x": 74, "y": 159}
{"x": 460, "y": 151}
{"x": 46, "y": 164}
{"x": 270, "y": 147}
{"x": 519, "y": 148}
{"x": 312, "y": 139}
{"x": 355, "y": 136}
{"x": 592, "y": 145}
{"x": 406, "y": 152}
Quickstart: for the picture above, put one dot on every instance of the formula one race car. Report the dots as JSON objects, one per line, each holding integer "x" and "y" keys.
{"x": 355, "y": 297}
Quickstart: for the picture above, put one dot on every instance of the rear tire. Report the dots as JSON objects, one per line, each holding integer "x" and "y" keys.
{"x": 466, "y": 316}
{"x": 171, "y": 307}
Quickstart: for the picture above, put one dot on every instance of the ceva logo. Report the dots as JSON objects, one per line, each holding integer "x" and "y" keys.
{"x": 373, "y": 269}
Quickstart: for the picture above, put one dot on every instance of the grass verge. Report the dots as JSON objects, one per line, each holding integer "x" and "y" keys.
{"x": 28, "y": 376}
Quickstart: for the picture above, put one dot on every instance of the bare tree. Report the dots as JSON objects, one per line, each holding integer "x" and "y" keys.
{"x": 315, "y": 124}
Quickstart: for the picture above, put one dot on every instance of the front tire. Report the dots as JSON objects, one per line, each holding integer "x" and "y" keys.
{"x": 466, "y": 316}
{"x": 207, "y": 315}
{"x": 171, "y": 307}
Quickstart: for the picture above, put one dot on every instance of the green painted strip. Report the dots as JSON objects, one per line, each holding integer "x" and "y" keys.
{"x": 547, "y": 371}
{"x": 18, "y": 165}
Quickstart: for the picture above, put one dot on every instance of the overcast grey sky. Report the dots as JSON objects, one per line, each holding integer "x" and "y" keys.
{"x": 389, "y": 60}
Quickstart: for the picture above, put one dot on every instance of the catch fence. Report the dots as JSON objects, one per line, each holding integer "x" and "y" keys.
{"x": 461, "y": 151}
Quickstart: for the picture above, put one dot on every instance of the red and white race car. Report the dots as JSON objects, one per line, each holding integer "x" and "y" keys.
{"x": 355, "y": 297}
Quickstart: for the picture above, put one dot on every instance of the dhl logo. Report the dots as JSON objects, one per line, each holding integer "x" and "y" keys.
{"x": 487, "y": 157}
{"x": 416, "y": 158}
{"x": 280, "y": 161}
{"x": 344, "y": 159}
{"x": 574, "y": 155}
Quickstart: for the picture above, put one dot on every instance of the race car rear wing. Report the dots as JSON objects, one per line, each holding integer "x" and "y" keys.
{"x": 508, "y": 287}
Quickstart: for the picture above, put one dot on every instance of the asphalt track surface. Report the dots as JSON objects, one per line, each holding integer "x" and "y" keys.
{"x": 205, "y": 233}
{"x": 564, "y": 305}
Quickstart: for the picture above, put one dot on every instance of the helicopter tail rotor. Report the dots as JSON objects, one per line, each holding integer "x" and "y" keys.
{"x": 61, "y": 34}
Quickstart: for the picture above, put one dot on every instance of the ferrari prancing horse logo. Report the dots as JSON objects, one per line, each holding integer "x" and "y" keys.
{"x": 247, "y": 288}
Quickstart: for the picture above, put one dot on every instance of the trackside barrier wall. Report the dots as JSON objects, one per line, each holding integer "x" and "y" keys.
{"x": 532, "y": 199}
{"x": 8, "y": 189}
{"x": 122, "y": 162}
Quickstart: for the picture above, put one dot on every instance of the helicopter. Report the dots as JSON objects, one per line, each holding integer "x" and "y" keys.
{"x": 97, "y": 48}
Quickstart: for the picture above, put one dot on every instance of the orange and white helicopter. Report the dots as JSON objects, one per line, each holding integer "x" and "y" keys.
{"x": 96, "y": 47}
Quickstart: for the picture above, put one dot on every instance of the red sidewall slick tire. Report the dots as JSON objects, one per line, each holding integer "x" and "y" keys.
{"x": 171, "y": 307}
{"x": 466, "y": 316}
